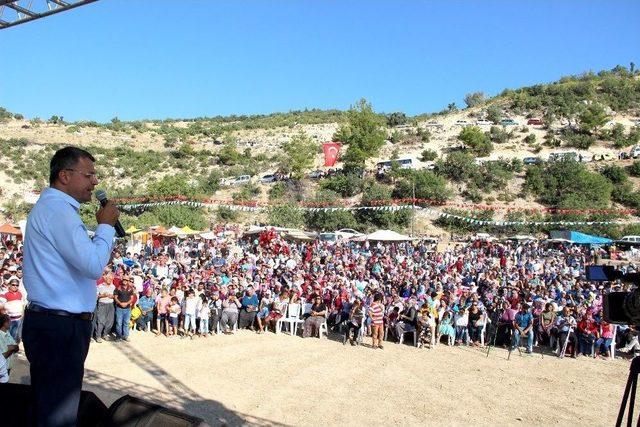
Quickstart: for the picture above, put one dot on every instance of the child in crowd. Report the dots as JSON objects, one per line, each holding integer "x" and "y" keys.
{"x": 446, "y": 327}
{"x": 174, "y": 313}
{"x": 461, "y": 322}
{"x": 203, "y": 314}
{"x": 190, "y": 307}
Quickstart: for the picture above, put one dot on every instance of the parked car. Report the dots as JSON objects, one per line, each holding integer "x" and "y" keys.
{"x": 328, "y": 237}
{"x": 557, "y": 157}
{"x": 347, "y": 233}
{"x": 535, "y": 122}
{"x": 603, "y": 156}
{"x": 429, "y": 165}
{"x": 268, "y": 179}
{"x": 462, "y": 123}
{"x": 634, "y": 153}
{"x": 241, "y": 180}
{"x": 508, "y": 122}
{"x": 532, "y": 161}
{"x": 316, "y": 174}
{"x": 627, "y": 242}
{"x": 484, "y": 122}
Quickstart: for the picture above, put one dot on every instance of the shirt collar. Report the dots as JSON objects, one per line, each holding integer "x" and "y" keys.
{"x": 55, "y": 193}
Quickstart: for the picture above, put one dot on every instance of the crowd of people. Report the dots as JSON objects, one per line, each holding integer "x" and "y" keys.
{"x": 480, "y": 293}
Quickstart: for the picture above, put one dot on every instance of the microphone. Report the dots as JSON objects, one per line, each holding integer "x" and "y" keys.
{"x": 101, "y": 195}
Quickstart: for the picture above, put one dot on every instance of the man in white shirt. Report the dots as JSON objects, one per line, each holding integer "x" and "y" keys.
{"x": 61, "y": 266}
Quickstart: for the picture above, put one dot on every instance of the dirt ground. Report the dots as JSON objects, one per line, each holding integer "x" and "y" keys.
{"x": 249, "y": 379}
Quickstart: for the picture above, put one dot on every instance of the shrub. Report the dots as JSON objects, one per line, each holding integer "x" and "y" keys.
{"x": 499, "y": 135}
{"x": 530, "y": 139}
{"x": 396, "y": 119}
{"x": 425, "y": 185}
{"x": 615, "y": 174}
{"x": 428, "y": 155}
{"x": 634, "y": 169}
{"x": 458, "y": 166}
{"x": 476, "y": 140}
{"x": 286, "y": 215}
{"x": 474, "y": 99}
{"x": 347, "y": 185}
{"x": 225, "y": 214}
{"x": 581, "y": 141}
{"x": 568, "y": 184}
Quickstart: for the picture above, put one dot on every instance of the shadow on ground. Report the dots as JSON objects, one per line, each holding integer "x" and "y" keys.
{"x": 174, "y": 394}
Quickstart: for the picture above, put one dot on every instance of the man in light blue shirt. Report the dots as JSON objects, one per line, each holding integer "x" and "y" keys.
{"x": 61, "y": 267}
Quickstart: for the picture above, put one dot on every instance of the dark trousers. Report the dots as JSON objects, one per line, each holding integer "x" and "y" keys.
{"x": 103, "y": 319}
{"x": 56, "y": 348}
{"x": 141, "y": 322}
{"x": 354, "y": 328}
{"x": 246, "y": 318}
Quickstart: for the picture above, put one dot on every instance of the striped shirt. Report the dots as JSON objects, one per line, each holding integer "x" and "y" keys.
{"x": 376, "y": 312}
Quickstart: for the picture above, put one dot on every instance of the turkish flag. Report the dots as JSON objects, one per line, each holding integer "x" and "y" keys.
{"x": 331, "y": 152}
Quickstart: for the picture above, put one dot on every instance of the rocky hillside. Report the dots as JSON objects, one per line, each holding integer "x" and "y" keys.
{"x": 595, "y": 116}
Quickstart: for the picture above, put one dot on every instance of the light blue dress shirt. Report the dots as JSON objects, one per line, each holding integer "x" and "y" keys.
{"x": 61, "y": 263}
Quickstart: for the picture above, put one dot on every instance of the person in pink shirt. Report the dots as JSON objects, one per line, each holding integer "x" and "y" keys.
{"x": 606, "y": 331}
{"x": 162, "y": 305}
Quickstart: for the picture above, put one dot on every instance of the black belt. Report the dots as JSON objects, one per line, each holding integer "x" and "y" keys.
{"x": 38, "y": 309}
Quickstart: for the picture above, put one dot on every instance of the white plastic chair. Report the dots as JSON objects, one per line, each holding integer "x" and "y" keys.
{"x": 612, "y": 352}
{"x": 415, "y": 336}
{"x": 485, "y": 321}
{"x": 292, "y": 319}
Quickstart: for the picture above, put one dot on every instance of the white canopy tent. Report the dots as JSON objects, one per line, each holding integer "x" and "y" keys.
{"x": 209, "y": 235}
{"x": 388, "y": 236}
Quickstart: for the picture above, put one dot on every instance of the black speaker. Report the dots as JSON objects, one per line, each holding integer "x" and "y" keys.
{"x": 16, "y": 398}
{"x": 130, "y": 411}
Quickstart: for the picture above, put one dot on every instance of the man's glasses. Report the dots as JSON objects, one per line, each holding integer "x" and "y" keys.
{"x": 86, "y": 175}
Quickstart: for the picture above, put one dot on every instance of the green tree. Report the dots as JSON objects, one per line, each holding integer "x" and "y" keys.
{"x": 299, "y": 155}
{"x": 634, "y": 169}
{"x": 180, "y": 215}
{"x": 458, "y": 166}
{"x": 286, "y": 215}
{"x": 428, "y": 155}
{"x": 593, "y": 118}
{"x": 363, "y": 133}
{"x": 396, "y": 119}
{"x": 171, "y": 185}
{"x": 494, "y": 114}
{"x": 474, "y": 99}
{"x": 424, "y": 184}
{"x": 568, "y": 185}
{"x": 476, "y": 140}
{"x": 380, "y": 218}
{"x": 229, "y": 154}
{"x": 615, "y": 174}
{"x": 328, "y": 219}
{"x": 210, "y": 183}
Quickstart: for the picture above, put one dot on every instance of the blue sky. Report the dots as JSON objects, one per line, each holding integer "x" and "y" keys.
{"x": 148, "y": 59}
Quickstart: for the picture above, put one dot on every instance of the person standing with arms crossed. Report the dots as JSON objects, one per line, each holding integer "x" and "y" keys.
{"x": 61, "y": 267}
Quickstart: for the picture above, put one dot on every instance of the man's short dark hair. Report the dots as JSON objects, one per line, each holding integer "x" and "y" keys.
{"x": 66, "y": 158}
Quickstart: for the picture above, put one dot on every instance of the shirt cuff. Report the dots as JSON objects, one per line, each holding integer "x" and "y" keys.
{"x": 106, "y": 232}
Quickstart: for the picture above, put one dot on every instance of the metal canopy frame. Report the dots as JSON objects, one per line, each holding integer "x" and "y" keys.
{"x": 15, "y": 12}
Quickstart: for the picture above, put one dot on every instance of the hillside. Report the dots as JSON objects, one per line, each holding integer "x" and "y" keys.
{"x": 594, "y": 115}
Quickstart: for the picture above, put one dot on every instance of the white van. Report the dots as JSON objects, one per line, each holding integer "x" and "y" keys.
{"x": 241, "y": 180}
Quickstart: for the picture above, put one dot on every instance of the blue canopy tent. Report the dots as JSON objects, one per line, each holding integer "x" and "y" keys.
{"x": 579, "y": 238}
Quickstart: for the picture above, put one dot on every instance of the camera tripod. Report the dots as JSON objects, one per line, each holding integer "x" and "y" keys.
{"x": 630, "y": 391}
{"x": 492, "y": 340}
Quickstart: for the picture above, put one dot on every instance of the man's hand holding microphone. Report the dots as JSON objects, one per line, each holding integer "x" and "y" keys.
{"x": 108, "y": 213}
